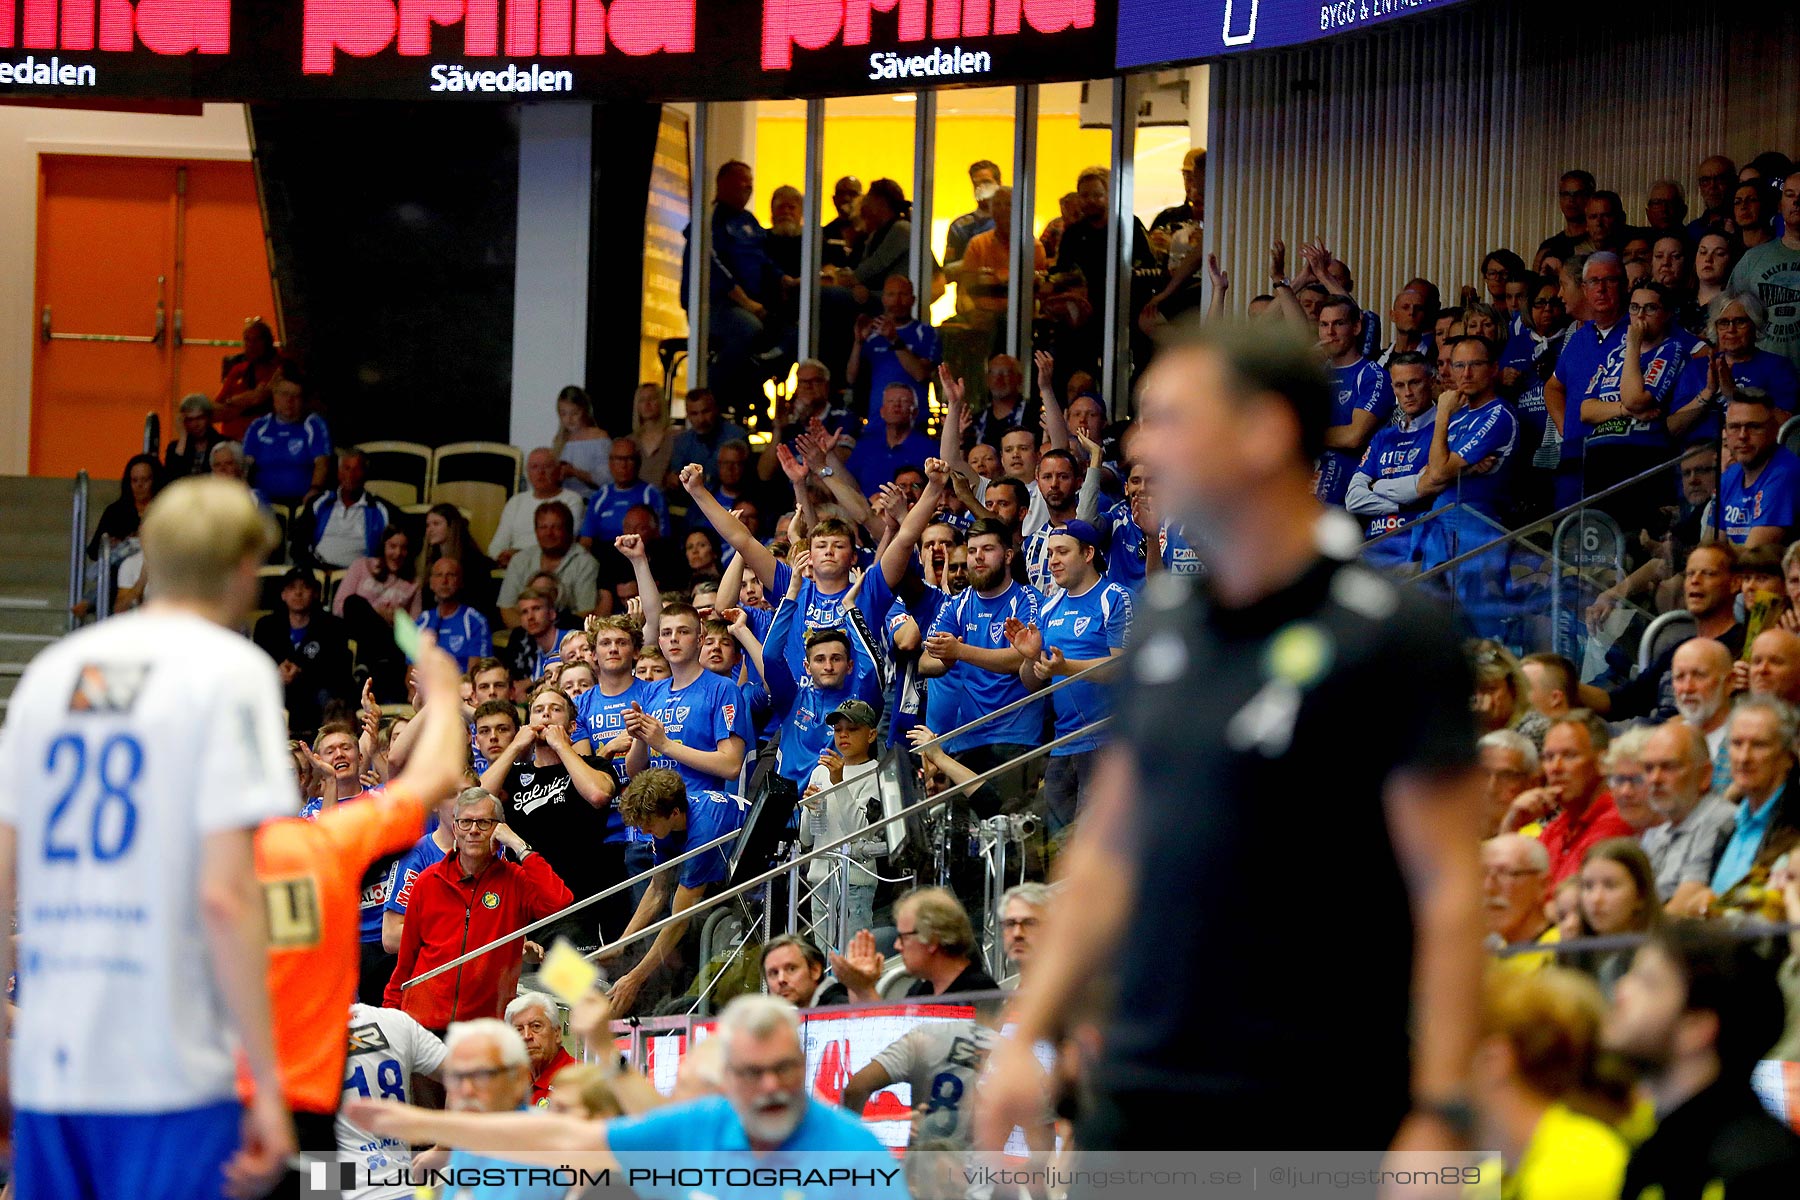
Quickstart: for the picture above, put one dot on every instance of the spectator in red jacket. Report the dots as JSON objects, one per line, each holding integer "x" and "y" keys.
{"x": 466, "y": 901}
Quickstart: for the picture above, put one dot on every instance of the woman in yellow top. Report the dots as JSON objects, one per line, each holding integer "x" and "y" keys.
{"x": 1539, "y": 1035}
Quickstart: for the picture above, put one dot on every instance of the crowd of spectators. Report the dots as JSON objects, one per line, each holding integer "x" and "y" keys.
{"x": 667, "y": 618}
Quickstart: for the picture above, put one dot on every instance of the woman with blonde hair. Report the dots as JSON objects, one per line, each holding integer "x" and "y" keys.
{"x": 653, "y": 432}
{"x": 1502, "y": 697}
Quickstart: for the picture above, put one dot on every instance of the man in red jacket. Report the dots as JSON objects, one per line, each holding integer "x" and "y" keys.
{"x": 464, "y": 902}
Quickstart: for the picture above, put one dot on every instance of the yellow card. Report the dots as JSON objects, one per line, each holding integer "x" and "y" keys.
{"x": 568, "y": 975}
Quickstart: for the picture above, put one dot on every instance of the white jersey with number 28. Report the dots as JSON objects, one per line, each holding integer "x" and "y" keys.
{"x": 125, "y": 745}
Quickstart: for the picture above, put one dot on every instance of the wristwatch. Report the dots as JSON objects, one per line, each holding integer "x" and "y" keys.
{"x": 1281, "y": 283}
{"x": 827, "y": 471}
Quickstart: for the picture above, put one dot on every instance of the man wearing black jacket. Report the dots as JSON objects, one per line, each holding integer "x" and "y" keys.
{"x": 311, "y": 649}
{"x": 1695, "y": 1012}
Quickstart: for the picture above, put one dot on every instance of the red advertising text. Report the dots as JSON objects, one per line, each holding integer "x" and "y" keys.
{"x": 490, "y": 28}
{"x": 161, "y": 26}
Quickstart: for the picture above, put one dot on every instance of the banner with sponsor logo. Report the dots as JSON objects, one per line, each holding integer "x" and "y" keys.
{"x": 1154, "y": 32}
{"x": 541, "y": 49}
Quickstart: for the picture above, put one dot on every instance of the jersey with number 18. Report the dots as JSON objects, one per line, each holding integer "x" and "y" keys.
{"x": 126, "y": 745}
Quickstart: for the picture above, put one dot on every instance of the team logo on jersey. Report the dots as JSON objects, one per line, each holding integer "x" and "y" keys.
{"x": 295, "y": 445}
{"x": 1298, "y": 654}
{"x": 366, "y": 1039}
{"x": 1081, "y": 624}
{"x": 311, "y": 649}
{"x": 525, "y": 778}
{"x": 108, "y": 687}
{"x": 490, "y": 899}
{"x": 681, "y": 713}
{"x": 730, "y": 711}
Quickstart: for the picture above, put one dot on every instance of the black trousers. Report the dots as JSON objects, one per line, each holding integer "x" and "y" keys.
{"x": 376, "y": 968}
{"x": 317, "y": 1134}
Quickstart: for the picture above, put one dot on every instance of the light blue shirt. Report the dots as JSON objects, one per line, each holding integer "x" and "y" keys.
{"x": 1740, "y": 852}
{"x": 707, "y": 1134}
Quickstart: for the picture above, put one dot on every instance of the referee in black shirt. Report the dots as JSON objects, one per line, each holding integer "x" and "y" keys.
{"x": 1278, "y": 875}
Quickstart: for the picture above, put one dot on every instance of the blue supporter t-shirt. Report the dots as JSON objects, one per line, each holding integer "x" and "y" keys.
{"x": 1773, "y": 499}
{"x": 1396, "y": 452}
{"x": 1768, "y": 372}
{"x": 1360, "y": 387}
{"x": 710, "y": 814}
{"x": 874, "y": 462}
{"x": 1124, "y": 546}
{"x": 411, "y": 865}
{"x": 825, "y": 610}
{"x": 1588, "y": 366}
{"x": 463, "y": 635}
{"x": 883, "y": 365}
{"x": 1475, "y": 434}
{"x": 283, "y": 452}
{"x": 699, "y": 716}
{"x": 602, "y": 717}
{"x": 981, "y": 623}
{"x": 1179, "y": 556}
{"x": 606, "y": 509}
{"x": 1090, "y": 625}
{"x": 708, "y": 1134}
{"x": 1662, "y": 366}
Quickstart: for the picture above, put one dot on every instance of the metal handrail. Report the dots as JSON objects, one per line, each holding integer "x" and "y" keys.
{"x": 1548, "y": 522}
{"x": 103, "y": 599}
{"x": 78, "y": 518}
{"x": 644, "y": 876}
{"x": 562, "y": 913}
{"x": 820, "y": 851}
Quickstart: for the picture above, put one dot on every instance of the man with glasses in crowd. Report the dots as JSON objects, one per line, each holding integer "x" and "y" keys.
{"x": 1472, "y": 448}
{"x": 466, "y": 901}
{"x": 763, "y": 1109}
{"x": 1589, "y": 367}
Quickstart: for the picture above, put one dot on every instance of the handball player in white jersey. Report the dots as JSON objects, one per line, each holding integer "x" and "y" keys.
{"x": 140, "y": 755}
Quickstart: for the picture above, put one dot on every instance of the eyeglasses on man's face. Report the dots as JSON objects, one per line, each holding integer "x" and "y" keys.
{"x": 471, "y": 824}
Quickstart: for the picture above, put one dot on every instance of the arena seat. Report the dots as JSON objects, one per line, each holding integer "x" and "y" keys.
{"x": 399, "y": 472}
{"x": 479, "y": 477}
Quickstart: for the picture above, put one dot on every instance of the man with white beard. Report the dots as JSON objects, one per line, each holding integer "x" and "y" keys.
{"x": 764, "y": 1109}
{"x": 1700, "y": 674}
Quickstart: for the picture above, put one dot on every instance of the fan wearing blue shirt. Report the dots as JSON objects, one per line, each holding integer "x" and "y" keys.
{"x": 601, "y": 709}
{"x": 606, "y": 509}
{"x": 676, "y": 818}
{"x": 1082, "y": 623}
{"x": 1590, "y": 366}
{"x": 1760, "y": 490}
{"x": 824, "y": 600}
{"x": 1474, "y": 440}
{"x": 694, "y": 722}
{"x": 895, "y": 347}
{"x": 1363, "y": 400}
{"x": 892, "y": 444}
{"x": 460, "y": 630}
{"x": 763, "y": 1121}
{"x": 1384, "y": 492}
{"x": 289, "y": 454}
{"x": 1627, "y": 434}
{"x": 1710, "y": 379}
{"x": 832, "y": 677}
{"x": 967, "y": 641}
